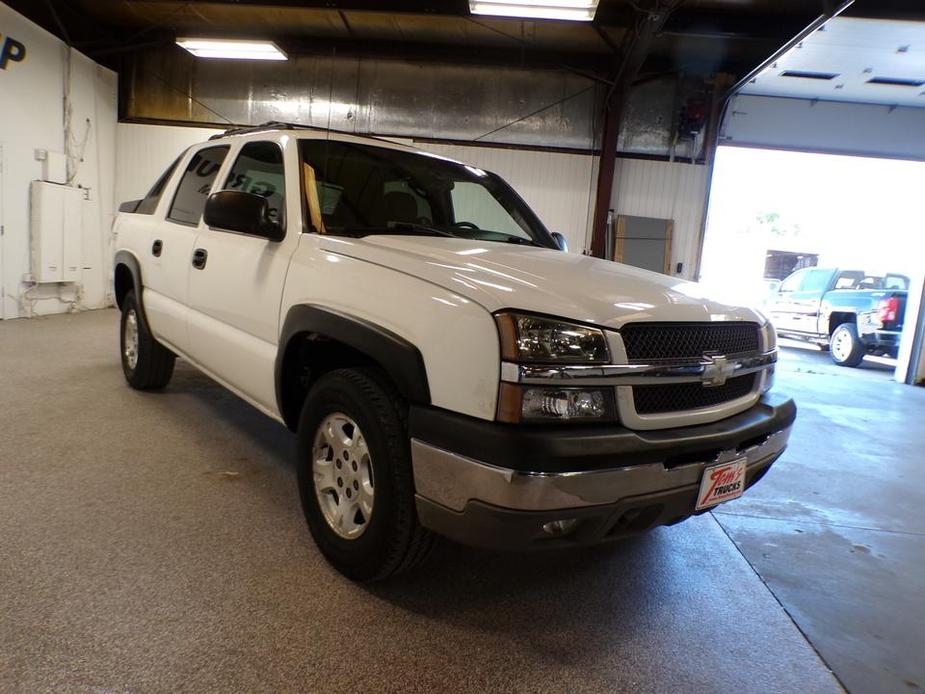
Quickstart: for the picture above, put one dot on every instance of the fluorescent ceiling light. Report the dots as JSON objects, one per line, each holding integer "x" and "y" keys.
{"x": 232, "y": 49}
{"x": 569, "y": 10}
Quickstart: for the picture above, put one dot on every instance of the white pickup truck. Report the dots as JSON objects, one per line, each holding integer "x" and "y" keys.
{"x": 447, "y": 368}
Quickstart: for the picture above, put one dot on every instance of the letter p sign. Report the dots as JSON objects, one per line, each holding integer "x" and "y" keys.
{"x": 11, "y": 51}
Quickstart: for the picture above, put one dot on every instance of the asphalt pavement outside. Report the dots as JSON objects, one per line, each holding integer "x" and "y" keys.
{"x": 154, "y": 542}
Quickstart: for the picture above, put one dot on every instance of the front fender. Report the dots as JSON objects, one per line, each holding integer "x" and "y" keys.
{"x": 400, "y": 359}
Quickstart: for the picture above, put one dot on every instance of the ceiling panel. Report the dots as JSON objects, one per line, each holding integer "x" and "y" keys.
{"x": 848, "y": 60}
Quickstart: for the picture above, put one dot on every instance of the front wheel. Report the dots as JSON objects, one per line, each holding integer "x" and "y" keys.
{"x": 355, "y": 477}
{"x": 846, "y": 346}
{"x": 146, "y": 363}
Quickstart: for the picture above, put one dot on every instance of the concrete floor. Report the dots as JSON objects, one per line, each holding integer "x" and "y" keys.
{"x": 837, "y": 528}
{"x": 154, "y": 542}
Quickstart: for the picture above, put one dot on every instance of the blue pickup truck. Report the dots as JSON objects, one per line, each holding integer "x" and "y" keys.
{"x": 851, "y": 312}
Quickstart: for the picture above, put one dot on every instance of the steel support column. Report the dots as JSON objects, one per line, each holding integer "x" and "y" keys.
{"x": 633, "y": 54}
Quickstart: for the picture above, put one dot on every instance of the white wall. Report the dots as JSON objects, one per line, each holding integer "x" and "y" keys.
{"x": 825, "y": 126}
{"x": 665, "y": 190}
{"x": 557, "y": 186}
{"x": 143, "y": 153}
{"x": 32, "y": 117}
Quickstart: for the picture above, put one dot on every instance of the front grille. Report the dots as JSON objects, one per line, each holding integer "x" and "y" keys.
{"x": 678, "y": 397}
{"x": 648, "y": 342}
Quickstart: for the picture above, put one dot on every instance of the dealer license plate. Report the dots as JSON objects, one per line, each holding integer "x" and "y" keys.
{"x": 720, "y": 483}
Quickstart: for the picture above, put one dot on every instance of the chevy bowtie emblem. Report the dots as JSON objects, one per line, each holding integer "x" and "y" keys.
{"x": 716, "y": 370}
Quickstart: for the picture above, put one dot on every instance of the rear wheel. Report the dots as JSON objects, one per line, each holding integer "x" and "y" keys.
{"x": 355, "y": 477}
{"x": 146, "y": 363}
{"x": 845, "y": 345}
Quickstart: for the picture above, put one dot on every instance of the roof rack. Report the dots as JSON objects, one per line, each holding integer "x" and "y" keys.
{"x": 269, "y": 125}
{"x": 281, "y": 125}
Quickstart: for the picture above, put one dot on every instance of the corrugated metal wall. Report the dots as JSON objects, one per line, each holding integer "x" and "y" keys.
{"x": 665, "y": 190}
{"x": 496, "y": 105}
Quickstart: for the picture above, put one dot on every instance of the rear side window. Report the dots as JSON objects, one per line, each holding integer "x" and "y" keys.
{"x": 149, "y": 204}
{"x": 193, "y": 190}
{"x": 259, "y": 170}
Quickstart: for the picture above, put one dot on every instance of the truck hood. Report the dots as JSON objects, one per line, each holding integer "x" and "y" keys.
{"x": 540, "y": 280}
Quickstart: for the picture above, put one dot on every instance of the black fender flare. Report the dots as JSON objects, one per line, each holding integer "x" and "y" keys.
{"x": 131, "y": 262}
{"x": 400, "y": 359}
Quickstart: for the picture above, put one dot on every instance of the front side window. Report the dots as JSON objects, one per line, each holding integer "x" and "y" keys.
{"x": 816, "y": 281}
{"x": 792, "y": 283}
{"x": 193, "y": 190}
{"x": 359, "y": 190}
{"x": 259, "y": 170}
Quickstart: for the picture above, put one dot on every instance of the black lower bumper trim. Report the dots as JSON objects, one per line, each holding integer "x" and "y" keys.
{"x": 573, "y": 448}
{"x": 485, "y": 525}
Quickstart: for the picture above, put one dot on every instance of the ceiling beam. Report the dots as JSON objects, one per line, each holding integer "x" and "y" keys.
{"x": 741, "y": 23}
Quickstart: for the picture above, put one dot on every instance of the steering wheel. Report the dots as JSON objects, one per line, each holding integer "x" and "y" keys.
{"x": 467, "y": 225}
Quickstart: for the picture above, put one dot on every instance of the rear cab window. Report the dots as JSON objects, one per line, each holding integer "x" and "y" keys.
{"x": 148, "y": 205}
{"x": 189, "y": 200}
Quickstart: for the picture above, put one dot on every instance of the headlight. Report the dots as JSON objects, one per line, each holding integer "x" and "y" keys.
{"x": 549, "y": 341}
{"x": 769, "y": 336}
{"x": 527, "y": 404}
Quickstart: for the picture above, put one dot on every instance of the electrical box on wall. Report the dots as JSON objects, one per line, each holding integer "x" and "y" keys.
{"x": 56, "y": 232}
{"x": 54, "y": 165}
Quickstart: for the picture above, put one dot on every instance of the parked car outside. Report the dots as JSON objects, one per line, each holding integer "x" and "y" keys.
{"x": 850, "y": 312}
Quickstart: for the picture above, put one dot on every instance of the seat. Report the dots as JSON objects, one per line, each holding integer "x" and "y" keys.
{"x": 397, "y": 206}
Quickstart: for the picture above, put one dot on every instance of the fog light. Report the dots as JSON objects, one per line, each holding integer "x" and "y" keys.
{"x": 564, "y": 403}
{"x": 531, "y": 404}
{"x": 560, "y": 527}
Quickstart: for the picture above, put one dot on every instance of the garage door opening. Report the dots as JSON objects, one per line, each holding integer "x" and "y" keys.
{"x": 828, "y": 246}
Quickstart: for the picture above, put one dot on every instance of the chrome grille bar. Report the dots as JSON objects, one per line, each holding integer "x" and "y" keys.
{"x": 636, "y": 374}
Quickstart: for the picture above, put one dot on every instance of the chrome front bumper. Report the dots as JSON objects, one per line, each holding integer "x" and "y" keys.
{"x": 453, "y": 481}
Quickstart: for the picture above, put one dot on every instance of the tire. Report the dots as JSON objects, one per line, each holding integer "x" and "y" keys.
{"x": 375, "y": 533}
{"x": 146, "y": 363}
{"x": 846, "y": 348}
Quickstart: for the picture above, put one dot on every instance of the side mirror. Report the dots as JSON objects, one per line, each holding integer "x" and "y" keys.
{"x": 245, "y": 212}
{"x": 560, "y": 241}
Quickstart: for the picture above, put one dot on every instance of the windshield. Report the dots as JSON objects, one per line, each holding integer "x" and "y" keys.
{"x": 358, "y": 189}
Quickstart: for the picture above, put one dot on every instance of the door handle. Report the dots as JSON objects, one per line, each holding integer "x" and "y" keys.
{"x": 157, "y": 247}
{"x": 200, "y": 255}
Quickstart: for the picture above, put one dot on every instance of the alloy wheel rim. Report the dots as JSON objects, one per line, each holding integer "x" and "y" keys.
{"x": 342, "y": 472}
{"x": 130, "y": 348}
{"x": 840, "y": 345}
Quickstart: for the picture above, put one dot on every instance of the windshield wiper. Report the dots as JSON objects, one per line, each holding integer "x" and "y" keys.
{"x": 522, "y": 241}
{"x": 396, "y": 228}
{"x": 421, "y": 228}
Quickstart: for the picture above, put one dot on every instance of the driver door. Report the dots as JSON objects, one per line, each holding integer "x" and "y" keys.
{"x": 236, "y": 288}
{"x": 783, "y": 309}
